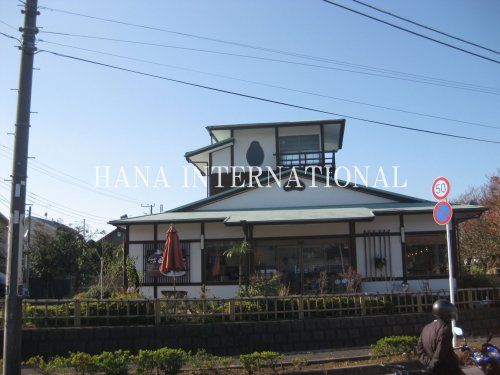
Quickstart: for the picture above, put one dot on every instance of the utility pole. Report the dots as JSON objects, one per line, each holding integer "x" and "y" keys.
{"x": 13, "y": 299}
{"x": 150, "y": 207}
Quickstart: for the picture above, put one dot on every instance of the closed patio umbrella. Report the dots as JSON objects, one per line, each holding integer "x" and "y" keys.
{"x": 172, "y": 264}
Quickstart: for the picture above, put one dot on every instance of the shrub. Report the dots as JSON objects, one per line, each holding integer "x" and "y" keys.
{"x": 146, "y": 363}
{"x": 164, "y": 361}
{"x": 395, "y": 345}
{"x": 301, "y": 361}
{"x": 203, "y": 363}
{"x": 83, "y": 363}
{"x": 253, "y": 363}
{"x": 46, "y": 367}
{"x": 113, "y": 363}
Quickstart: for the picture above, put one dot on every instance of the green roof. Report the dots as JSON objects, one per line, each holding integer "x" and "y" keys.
{"x": 296, "y": 214}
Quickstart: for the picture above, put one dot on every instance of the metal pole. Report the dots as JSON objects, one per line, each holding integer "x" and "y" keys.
{"x": 13, "y": 299}
{"x": 27, "y": 281}
{"x": 450, "y": 276}
{"x": 100, "y": 276}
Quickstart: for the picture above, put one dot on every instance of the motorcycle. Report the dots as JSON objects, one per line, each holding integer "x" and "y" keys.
{"x": 487, "y": 358}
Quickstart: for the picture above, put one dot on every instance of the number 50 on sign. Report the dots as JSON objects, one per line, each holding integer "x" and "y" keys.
{"x": 441, "y": 188}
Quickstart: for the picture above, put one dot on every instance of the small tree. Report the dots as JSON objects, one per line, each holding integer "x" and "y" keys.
{"x": 480, "y": 238}
{"x": 239, "y": 251}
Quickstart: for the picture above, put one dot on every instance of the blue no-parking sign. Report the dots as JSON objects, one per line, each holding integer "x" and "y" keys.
{"x": 442, "y": 213}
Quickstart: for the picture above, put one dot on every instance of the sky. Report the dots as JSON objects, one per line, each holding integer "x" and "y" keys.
{"x": 90, "y": 115}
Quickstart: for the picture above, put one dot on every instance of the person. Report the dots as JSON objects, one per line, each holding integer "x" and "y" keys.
{"x": 435, "y": 347}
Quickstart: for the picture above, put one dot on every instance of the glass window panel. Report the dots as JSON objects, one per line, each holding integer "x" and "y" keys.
{"x": 426, "y": 255}
{"x": 218, "y": 267}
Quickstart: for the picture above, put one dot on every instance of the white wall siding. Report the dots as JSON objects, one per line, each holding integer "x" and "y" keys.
{"x": 379, "y": 223}
{"x": 186, "y": 231}
{"x": 141, "y": 233}
{"x": 222, "y": 157}
{"x": 332, "y": 229}
{"x": 136, "y": 254}
{"x": 420, "y": 223}
{"x": 222, "y": 291}
{"x": 220, "y": 231}
{"x": 300, "y": 130}
{"x": 195, "y": 262}
{"x": 395, "y": 285}
{"x": 243, "y": 139}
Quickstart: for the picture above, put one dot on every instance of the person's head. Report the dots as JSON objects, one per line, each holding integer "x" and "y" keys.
{"x": 444, "y": 310}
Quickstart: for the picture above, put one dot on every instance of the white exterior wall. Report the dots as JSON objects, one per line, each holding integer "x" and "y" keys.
{"x": 212, "y": 291}
{"x": 186, "y": 231}
{"x": 421, "y": 223}
{"x": 299, "y": 130}
{"x": 414, "y": 286}
{"x": 379, "y": 223}
{"x": 221, "y": 231}
{"x": 333, "y": 229}
{"x": 244, "y": 137}
{"x": 141, "y": 232}
{"x": 222, "y": 157}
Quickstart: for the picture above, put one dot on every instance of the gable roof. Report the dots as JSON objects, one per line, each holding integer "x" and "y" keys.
{"x": 264, "y": 179}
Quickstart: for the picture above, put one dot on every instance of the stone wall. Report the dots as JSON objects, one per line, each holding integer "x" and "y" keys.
{"x": 240, "y": 337}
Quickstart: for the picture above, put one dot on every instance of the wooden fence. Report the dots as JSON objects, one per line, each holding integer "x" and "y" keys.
{"x": 106, "y": 312}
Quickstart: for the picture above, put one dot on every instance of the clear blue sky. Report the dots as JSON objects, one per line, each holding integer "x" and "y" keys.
{"x": 89, "y": 115}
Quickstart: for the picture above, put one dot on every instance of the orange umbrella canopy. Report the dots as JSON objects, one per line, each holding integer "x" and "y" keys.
{"x": 172, "y": 263}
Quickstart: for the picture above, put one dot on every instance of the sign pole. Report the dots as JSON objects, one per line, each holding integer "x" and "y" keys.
{"x": 450, "y": 276}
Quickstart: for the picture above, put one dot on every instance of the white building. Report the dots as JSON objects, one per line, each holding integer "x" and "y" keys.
{"x": 296, "y": 229}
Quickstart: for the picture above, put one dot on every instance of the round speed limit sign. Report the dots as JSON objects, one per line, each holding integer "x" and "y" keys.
{"x": 441, "y": 188}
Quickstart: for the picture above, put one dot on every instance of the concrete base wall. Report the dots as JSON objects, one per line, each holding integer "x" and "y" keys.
{"x": 242, "y": 337}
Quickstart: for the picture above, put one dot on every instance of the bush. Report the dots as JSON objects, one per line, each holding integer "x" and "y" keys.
{"x": 113, "y": 363}
{"x": 83, "y": 363}
{"x": 46, "y": 367}
{"x": 395, "y": 345}
{"x": 255, "y": 362}
{"x": 164, "y": 361}
{"x": 301, "y": 361}
{"x": 203, "y": 363}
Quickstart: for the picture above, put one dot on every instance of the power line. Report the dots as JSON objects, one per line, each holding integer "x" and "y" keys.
{"x": 458, "y": 85}
{"x": 9, "y": 25}
{"x": 275, "y": 86}
{"x": 60, "y": 207}
{"x": 381, "y": 123}
{"x": 67, "y": 178}
{"x": 427, "y": 27}
{"x": 412, "y": 32}
{"x": 239, "y": 44}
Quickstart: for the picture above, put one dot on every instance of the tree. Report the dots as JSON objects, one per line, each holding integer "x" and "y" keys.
{"x": 61, "y": 256}
{"x": 480, "y": 238}
{"x": 239, "y": 251}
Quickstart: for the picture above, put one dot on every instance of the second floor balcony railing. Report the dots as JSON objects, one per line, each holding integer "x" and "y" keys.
{"x": 303, "y": 159}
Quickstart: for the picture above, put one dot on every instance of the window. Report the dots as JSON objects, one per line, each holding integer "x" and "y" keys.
{"x": 153, "y": 255}
{"x": 218, "y": 267}
{"x": 305, "y": 266}
{"x": 294, "y": 143}
{"x": 299, "y": 150}
{"x": 426, "y": 255}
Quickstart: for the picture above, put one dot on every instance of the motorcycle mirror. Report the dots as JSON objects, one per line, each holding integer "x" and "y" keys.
{"x": 458, "y": 331}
